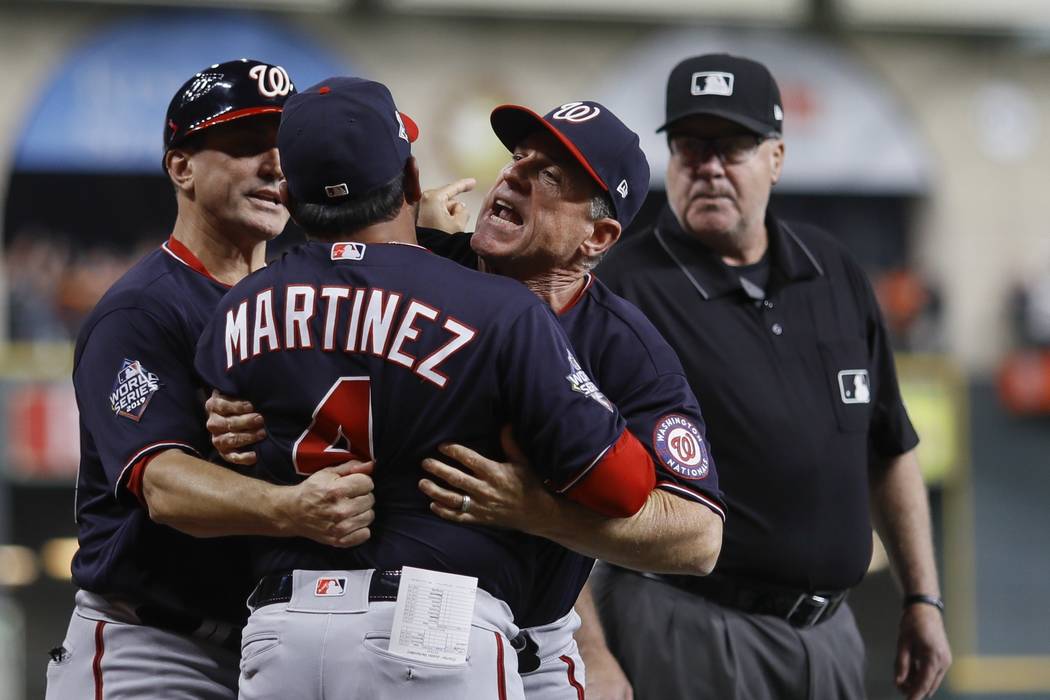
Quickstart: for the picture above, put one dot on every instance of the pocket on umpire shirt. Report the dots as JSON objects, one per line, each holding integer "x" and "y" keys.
{"x": 847, "y": 376}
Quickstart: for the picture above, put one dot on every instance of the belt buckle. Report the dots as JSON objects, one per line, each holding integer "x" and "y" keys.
{"x": 807, "y": 610}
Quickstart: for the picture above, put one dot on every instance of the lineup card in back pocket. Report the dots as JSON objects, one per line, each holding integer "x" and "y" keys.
{"x": 433, "y": 615}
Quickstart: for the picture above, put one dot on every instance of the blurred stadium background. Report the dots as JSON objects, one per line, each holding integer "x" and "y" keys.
{"x": 918, "y": 131}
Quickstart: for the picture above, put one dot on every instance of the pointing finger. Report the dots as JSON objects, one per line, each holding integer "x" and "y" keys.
{"x": 460, "y": 186}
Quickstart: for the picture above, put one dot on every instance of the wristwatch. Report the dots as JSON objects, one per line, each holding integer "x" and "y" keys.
{"x": 916, "y": 598}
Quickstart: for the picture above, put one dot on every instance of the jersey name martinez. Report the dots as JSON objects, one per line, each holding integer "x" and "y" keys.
{"x": 356, "y": 320}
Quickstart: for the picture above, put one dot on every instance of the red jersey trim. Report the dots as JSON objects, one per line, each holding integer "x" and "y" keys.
{"x": 178, "y": 250}
{"x": 571, "y": 672}
{"x": 680, "y": 490}
{"x": 578, "y": 296}
{"x": 138, "y": 462}
{"x": 621, "y": 481}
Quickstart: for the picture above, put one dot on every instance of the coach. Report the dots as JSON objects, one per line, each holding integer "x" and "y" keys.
{"x": 779, "y": 332}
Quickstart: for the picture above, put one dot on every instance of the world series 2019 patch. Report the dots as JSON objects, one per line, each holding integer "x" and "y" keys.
{"x": 582, "y": 384}
{"x": 681, "y": 447}
{"x": 134, "y": 387}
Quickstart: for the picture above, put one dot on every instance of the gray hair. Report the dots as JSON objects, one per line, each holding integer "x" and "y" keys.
{"x": 601, "y": 208}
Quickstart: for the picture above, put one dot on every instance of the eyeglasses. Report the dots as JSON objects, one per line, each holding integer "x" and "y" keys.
{"x": 732, "y": 150}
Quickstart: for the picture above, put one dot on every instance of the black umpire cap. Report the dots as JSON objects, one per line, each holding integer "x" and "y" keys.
{"x": 720, "y": 85}
{"x": 224, "y": 92}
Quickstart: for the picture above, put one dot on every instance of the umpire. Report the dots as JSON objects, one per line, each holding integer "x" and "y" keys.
{"x": 781, "y": 337}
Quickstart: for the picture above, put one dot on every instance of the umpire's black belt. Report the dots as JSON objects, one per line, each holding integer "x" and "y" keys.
{"x": 277, "y": 588}
{"x": 799, "y": 608}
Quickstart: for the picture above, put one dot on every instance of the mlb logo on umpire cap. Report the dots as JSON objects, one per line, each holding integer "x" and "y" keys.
{"x": 712, "y": 83}
{"x": 342, "y": 136}
{"x": 606, "y": 149}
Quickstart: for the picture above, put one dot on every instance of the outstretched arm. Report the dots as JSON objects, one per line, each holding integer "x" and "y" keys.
{"x": 333, "y": 506}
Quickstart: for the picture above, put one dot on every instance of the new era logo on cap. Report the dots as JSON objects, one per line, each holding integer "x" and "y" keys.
{"x": 604, "y": 147}
{"x": 712, "y": 83}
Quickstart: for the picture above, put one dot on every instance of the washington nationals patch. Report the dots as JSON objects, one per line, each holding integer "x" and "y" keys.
{"x": 680, "y": 446}
{"x": 132, "y": 390}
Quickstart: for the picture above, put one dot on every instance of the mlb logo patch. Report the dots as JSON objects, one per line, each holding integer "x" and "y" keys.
{"x": 328, "y": 586}
{"x": 712, "y": 83}
{"x": 348, "y": 251}
{"x": 340, "y": 190}
{"x": 132, "y": 390}
{"x": 679, "y": 444}
{"x": 854, "y": 386}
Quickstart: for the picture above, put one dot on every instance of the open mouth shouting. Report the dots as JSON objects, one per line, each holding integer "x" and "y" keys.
{"x": 503, "y": 214}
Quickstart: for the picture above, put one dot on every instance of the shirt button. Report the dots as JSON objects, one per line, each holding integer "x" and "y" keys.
{"x": 767, "y": 303}
{"x": 777, "y": 329}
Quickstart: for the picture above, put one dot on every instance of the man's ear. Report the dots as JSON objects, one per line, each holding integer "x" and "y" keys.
{"x": 180, "y": 169}
{"x": 413, "y": 190}
{"x": 777, "y": 160}
{"x": 604, "y": 234}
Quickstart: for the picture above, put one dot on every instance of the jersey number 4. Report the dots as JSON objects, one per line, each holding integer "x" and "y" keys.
{"x": 341, "y": 429}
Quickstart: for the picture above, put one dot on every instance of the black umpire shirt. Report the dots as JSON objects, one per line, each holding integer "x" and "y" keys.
{"x": 798, "y": 385}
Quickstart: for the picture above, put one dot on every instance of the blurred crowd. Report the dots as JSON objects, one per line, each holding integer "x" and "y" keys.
{"x": 53, "y": 282}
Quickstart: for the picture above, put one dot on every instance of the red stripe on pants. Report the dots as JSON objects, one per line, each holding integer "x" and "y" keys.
{"x": 96, "y": 665}
{"x": 571, "y": 670}
{"x": 501, "y": 681}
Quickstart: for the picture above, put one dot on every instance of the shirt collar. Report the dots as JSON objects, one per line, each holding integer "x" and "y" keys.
{"x": 790, "y": 259}
{"x": 176, "y": 249}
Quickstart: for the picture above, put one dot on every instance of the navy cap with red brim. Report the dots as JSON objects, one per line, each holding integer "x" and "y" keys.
{"x": 512, "y": 123}
{"x": 604, "y": 147}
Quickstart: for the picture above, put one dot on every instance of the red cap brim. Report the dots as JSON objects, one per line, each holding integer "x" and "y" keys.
{"x": 512, "y": 123}
{"x": 230, "y": 116}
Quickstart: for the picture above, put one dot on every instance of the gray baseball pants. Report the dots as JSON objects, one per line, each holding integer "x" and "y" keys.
{"x": 311, "y": 648}
{"x": 675, "y": 644}
{"x": 561, "y": 674}
{"x": 107, "y": 656}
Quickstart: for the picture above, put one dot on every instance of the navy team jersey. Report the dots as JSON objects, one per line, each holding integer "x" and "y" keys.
{"x": 385, "y": 351}
{"x": 637, "y": 370}
{"x": 138, "y": 395}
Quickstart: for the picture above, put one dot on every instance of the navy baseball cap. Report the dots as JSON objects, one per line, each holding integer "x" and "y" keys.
{"x": 603, "y": 145}
{"x": 342, "y": 138}
{"x": 224, "y": 92}
{"x": 733, "y": 88}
